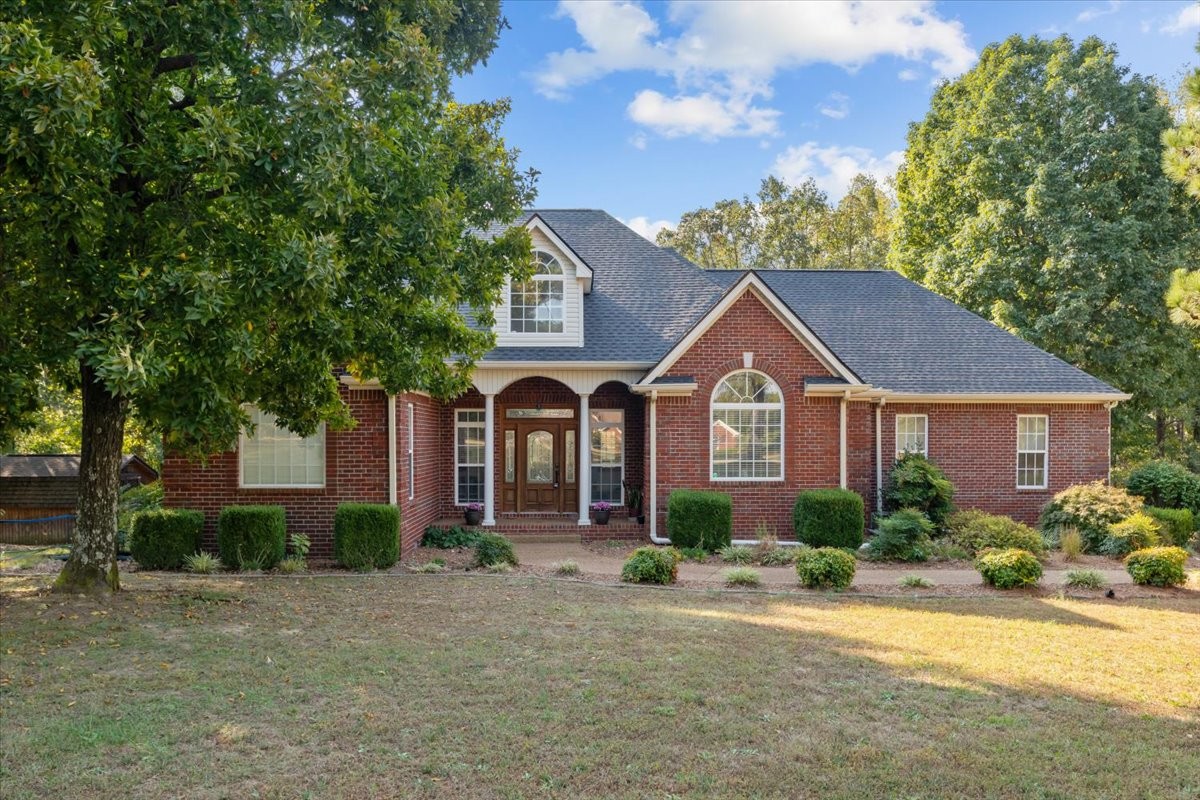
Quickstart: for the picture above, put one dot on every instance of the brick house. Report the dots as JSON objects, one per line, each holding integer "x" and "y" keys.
{"x": 758, "y": 384}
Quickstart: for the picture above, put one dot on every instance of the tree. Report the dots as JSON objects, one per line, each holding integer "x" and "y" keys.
{"x": 1033, "y": 194}
{"x": 857, "y": 233}
{"x": 211, "y": 204}
{"x": 1181, "y": 161}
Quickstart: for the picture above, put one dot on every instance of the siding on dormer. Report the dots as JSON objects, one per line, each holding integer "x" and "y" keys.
{"x": 572, "y": 333}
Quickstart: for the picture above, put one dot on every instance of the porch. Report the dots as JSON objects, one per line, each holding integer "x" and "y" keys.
{"x": 556, "y": 528}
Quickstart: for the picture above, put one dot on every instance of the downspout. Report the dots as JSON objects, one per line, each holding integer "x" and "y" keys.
{"x": 842, "y": 471}
{"x": 391, "y": 434}
{"x": 654, "y": 537}
{"x": 879, "y": 456}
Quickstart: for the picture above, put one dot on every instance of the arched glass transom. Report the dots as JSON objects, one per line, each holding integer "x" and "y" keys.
{"x": 747, "y": 428}
{"x": 536, "y": 304}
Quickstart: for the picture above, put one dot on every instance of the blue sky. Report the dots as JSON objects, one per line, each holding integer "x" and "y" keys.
{"x": 651, "y": 109}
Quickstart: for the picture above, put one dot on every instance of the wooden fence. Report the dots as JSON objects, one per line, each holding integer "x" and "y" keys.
{"x": 55, "y": 529}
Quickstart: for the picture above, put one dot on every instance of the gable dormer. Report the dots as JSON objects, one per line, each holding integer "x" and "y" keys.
{"x": 545, "y": 310}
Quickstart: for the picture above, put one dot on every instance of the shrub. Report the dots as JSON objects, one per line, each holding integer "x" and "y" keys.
{"x": 202, "y": 563}
{"x": 903, "y": 536}
{"x": 299, "y": 544}
{"x": 291, "y": 565}
{"x": 916, "y": 582}
{"x": 135, "y": 499}
{"x": 778, "y": 557}
{"x": 651, "y": 565}
{"x": 251, "y": 537}
{"x": 829, "y": 518}
{"x": 916, "y": 482}
{"x": 946, "y": 550}
{"x": 1166, "y": 485}
{"x": 698, "y": 554}
{"x": 1009, "y": 569}
{"x": 492, "y": 549}
{"x": 162, "y": 539}
{"x": 1070, "y": 541}
{"x": 742, "y": 576}
{"x": 699, "y": 519}
{"x": 430, "y": 567}
{"x": 450, "y": 538}
{"x": 1085, "y": 579}
{"x": 499, "y": 568}
{"x": 1176, "y": 526}
{"x": 566, "y": 568}
{"x": 737, "y": 554}
{"x": 1091, "y": 508}
{"x": 976, "y": 530}
{"x": 1157, "y": 566}
{"x": 1132, "y": 533}
{"x": 366, "y": 535}
{"x": 825, "y": 568}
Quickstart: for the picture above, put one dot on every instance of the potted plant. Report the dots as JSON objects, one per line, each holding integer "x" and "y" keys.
{"x": 633, "y": 501}
{"x": 601, "y": 511}
{"x": 473, "y": 512}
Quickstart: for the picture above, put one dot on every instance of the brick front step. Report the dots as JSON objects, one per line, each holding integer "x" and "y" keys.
{"x": 559, "y": 528}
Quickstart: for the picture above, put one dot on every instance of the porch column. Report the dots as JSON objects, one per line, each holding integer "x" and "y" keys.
{"x": 489, "y": 459}
{"x": 584, "y": 477}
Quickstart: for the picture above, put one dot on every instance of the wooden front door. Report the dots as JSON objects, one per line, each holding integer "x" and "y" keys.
{"x": 543, "y": 472}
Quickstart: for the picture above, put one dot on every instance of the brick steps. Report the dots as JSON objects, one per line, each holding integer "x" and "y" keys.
{"x": 559, "y": 528}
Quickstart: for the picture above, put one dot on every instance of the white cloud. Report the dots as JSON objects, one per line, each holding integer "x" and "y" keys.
{"x": 707, "y": 115}
{"x": 837, "y": 106}
{"x": 638, "y": 140}
{"x": 833, "y": 167}
{"x": 908, "y": 75}
{"x": 1183, "y": 22}
{"x": 645, "y": 228}
{"x": 1093, "y": 12}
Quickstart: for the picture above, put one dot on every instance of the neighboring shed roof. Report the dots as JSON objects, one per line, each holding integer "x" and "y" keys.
{"x": 65, "y": 465}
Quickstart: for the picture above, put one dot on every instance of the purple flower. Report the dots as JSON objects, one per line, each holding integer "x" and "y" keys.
{"x": 474, "y": 507}
{"x": 602, "y": 506}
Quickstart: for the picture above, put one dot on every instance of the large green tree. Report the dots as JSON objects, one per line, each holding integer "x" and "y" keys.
{"x": 210, "y": 203}
{"x": 1181, "y": 160}
{"x": 1033, "y": 193}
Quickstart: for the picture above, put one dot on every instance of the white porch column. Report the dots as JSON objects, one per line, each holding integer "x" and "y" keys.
{"x": 584, "y": 476}
{"x": 489, "y": 459}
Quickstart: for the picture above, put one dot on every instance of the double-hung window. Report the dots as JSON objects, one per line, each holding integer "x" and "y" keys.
{"x": 1033, "y": 446}
{"x": 746, "y": 427}
{"x": 607, "y": 427}
{"x": 912, "y": 434}
{"x": 275, "y": 458}
{"x": 468, "y": 456}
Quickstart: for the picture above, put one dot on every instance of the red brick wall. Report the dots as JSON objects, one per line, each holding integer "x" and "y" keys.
{"x": 429, "y": 453}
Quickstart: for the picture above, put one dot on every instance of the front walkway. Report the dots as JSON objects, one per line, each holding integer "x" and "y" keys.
{"x": 545, "y": 555}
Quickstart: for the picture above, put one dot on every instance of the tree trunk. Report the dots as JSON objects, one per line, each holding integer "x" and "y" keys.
{"x": 1160, "y": 434}
{"x": 92, "y": 566}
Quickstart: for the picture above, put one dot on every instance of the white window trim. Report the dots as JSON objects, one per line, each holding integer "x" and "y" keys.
{"x": 1046, "y": 461}
{"x": 458, "y": 423}
{"x": 781, "y": 406}
{"x": 925, "y": 434}
{"x": 561, "y": 277}
{"x": 242, "y": 439}
{"x": 412, "y": 480}
{"x": 592, "y": 463}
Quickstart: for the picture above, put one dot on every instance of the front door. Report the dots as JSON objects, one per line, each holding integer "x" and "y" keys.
{"x": 541, "y": 466}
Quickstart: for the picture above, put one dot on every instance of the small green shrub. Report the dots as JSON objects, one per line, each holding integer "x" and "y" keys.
{"x": 976, "y": 530}
{"x": 1070, "y": 541}
{"x": 163, "y": 538}
{"x": 829, "y": 518}
{"x": 450, "y": 538}
{"x": 916, "y": 582}
{"x": 1157, "y": 566}
{"x": 699, "y": 519}
{"x": 916, "y": 482}
{"x": 1090, "y": 508}
{"x": 1166, "y": 485}
{"x": 366, "y": 535}
{"x": 1009, "y": 569}
{"x": 1176, "y": 526}
{"x": 737, "y": 554}
{"x": 299, "y": 544}
{"x": 1135, "y": 532}
{"x": 903, "y": 536}
{"x": 292, "y": 565}
{"x": 251, "y": 537}
{"x": 825, "y": 568}
{"x": 742, "y": 576}
{"x": 1084, "y": 579}
{"x": 499, "y": 568}
{"x": 568, "y": 568}
{"x": 202, "y": 563}
{"x": 651, "y": 565}
{"x": 492, "y": 549}
{"x": 945, "y": 550}
{"x": 778, "y": 557}
{"x": 697, "y": 554}
{"x": 135, "y": 499}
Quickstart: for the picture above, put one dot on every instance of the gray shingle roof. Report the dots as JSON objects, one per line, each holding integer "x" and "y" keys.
{"x": 889, "y": 331}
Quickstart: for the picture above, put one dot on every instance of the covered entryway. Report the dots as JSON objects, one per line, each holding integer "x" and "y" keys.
{"x": 540, "y": 460}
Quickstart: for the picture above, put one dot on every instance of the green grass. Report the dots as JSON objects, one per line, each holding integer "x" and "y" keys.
{"x": 476, "y": 686}
{"x": 27, "y": 558}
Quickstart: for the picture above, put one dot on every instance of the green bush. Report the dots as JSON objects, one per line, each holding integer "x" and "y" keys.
{"x": 162, "y": 539}
{"x": 1010, "y": 568}
{"x": 651, "y": 565}
{"x": 202, "y": 563}
{"x": 778, "y": 557}
{"x": 903, "y": 536}
{"x": 450, "y": 538}
{"x": 1135, "y": 532}
{"x": 1166, "y": 485}
{"x": 698, "y": 554}
{"x": 829, "y": 518}
{"x": 251, "y": 536}
{"x": 1085, "y": 579}
{"x": 1157, "y": 566}
{"x": 366, "y": 535}
{"x": 492, "y": 549}
{"x": 742, "y": 576}
{"x": 135, "y": 499}
{"x": 1176, "y": 526}
{"x": 1091, "y": 508}
{"x": 699, "y": 519}
{"x": 737, "y": 554}
{"x": 976, "y": 530}
{"x": 825, "y": 568}
{"x": 916, "y": 482}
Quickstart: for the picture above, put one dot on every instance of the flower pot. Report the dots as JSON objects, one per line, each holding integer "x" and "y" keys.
{"x": 473, "y": 517}
{"x": 601, "y": 517}
{"x": 641, "y": 519}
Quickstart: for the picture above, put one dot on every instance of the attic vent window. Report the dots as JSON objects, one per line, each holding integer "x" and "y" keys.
{"x": 537, "y": 303}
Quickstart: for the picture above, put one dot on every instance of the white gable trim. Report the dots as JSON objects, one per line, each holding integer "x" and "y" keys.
{"x": 750, "y": 282}
{"x": 582, "y": 270}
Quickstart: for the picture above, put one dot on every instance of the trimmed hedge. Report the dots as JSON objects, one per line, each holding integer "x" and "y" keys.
{"x": 700, "y": 519}
{"x": 829, "y": 518}
{"x": 1176, "y": 526}
{"x": 916, "y": 482}
{"x": 1009, "y": 569}
{"x": 976, "y": 530}
{"x": 1135, "y": 532}
{"x": 652, "y": 565}
{"x": 492, "y": 549}
{"x": 825, "y": 568}
{"x": 1090, "y": 507}
{"x": 1166, "y": 485}
{"x": 1157, "y": 566}
{"x": 903, "y": 536}
{"x": 366, "y": 535}
{"x": 254, "y": 536}
{"x": 163, "y": 538}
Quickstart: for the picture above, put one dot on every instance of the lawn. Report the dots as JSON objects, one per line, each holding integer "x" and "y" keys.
{"x": 449, "y": 686}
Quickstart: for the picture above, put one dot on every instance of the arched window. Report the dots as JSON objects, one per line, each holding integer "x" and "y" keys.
{"x": 747, "y": 428}
{"x": 536, "y": 305}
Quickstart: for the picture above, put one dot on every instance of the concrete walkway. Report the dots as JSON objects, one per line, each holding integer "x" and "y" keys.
{"x": 545, "y": 555}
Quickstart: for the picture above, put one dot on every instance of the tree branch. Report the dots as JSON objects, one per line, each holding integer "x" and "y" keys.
{"x": 174, "y": 63}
